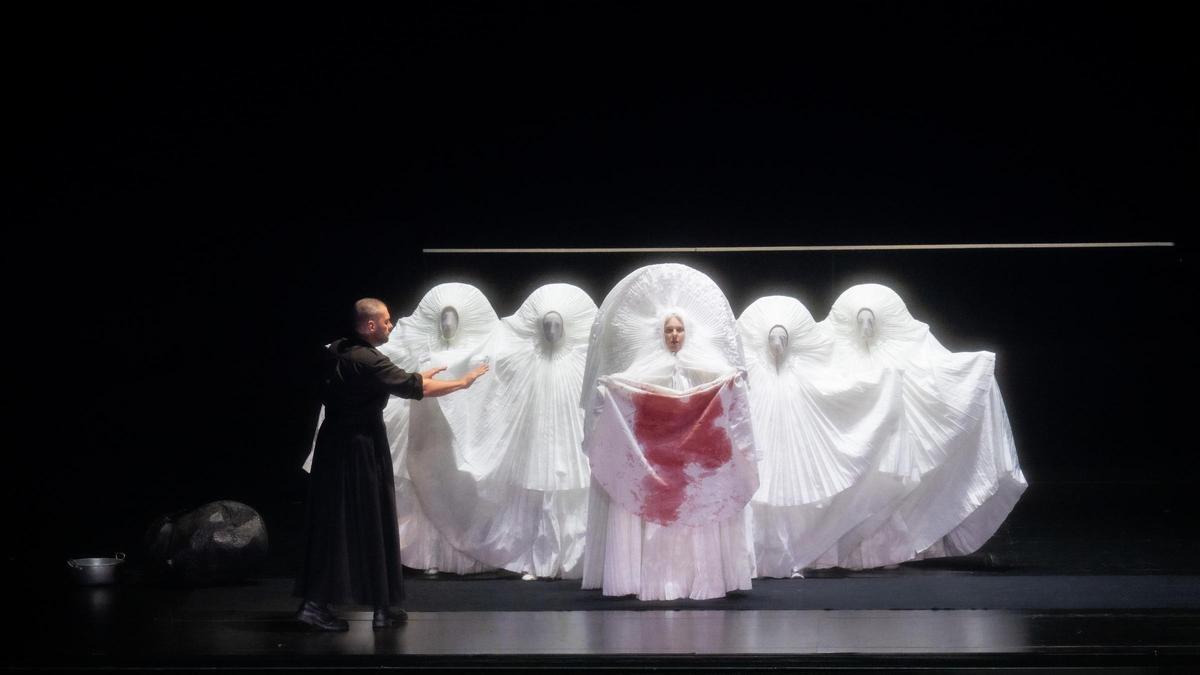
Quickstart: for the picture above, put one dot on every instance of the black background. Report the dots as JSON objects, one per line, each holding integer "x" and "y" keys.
{"x": 201, "y": 195}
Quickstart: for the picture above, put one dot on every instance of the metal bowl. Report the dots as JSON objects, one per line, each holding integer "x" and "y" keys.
{"x": 95, "y": 571}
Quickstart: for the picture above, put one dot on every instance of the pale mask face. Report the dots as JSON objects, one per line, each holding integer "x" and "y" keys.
{"x": 777, "y": 343}
{"x": 449, "y": 323}
{"x": 673, "y": 334}
{"x": 552, "y": 327}
{"x": 866, "y": 324}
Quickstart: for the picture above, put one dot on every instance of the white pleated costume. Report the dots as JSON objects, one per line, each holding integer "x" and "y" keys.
{"x": 821, "y": 436}
{"x": 424, "y": 343}
{"x": 700, "y": 545}
{"x": 956, "y": 450}
{"x": 509, "y": 483}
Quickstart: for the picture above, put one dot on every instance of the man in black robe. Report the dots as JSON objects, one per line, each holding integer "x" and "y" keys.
{"x": 353, "y": 551}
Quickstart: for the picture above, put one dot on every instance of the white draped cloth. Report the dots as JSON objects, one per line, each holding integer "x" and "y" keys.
{"x": 822, "y": 434}
{"x": 419, "y": 428}
{"x": 670, "y": 442}
{"x": 955, "y": 453}
{"x": 508, "y": 481}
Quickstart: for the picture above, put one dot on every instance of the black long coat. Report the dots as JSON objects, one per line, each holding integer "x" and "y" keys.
{"x": 353, "y": 549}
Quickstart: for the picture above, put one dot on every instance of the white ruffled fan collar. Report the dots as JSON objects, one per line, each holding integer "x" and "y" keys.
{"x": 804, "y": 336}
{"x": 892, "y": 320}
{"x": 420, "y": 334}
{"x": 628, "y": 329}
{"x": 571, "y": 303}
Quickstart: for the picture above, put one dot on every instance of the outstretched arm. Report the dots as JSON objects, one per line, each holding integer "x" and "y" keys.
{"x": 434, "y": 388}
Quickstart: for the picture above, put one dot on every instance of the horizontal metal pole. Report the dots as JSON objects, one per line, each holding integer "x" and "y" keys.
{"x": 774, "y": 249}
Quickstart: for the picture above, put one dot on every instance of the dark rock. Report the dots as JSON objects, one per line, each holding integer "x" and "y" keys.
{"x": 220, "y": 542}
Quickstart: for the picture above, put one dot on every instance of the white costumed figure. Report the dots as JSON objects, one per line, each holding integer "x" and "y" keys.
{"x": 508, "y": 481}
{"x": 669, "y": 439}
{"x": 448, "y": 327}
{"x": 821, "y": 436}
{"x": 956, "y": 450}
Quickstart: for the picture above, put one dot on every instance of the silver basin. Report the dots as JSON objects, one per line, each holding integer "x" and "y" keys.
{"x": 95, "y": 571}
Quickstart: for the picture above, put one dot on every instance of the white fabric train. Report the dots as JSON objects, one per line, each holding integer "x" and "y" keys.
{"x": 821, "y": 434}
{"x": 507, "y": 478}
{"x": 955, "y": 449}
{"x": 689, "y": 557}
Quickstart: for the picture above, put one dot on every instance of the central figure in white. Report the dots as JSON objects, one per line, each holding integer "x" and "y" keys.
{"x": 668, "y": 435}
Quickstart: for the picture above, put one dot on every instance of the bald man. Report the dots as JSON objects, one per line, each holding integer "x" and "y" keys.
{"x": 353, "y": 550}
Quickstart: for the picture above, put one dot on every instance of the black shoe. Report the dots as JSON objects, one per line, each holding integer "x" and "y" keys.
{"x": 320, "y": 617}
{"x": 386, "y": 619}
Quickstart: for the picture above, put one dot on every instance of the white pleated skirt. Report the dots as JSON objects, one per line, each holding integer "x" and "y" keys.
{"x": 627, "y": 555}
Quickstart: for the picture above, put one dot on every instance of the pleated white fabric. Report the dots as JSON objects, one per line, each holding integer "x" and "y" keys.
{"x": 627, "y": 554}
{"x": 822, "y": 435}
{"x": 507, "y": 475}
{"x": 956, "y": 452}
{"x": 422, "y": 344}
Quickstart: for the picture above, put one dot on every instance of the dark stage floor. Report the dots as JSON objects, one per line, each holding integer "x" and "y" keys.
{"x": 1066, "y": 582}
{"x": 139, "y": 625}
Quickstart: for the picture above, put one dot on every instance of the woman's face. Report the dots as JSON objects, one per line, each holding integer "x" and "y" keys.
{"x": 673, "y": 334}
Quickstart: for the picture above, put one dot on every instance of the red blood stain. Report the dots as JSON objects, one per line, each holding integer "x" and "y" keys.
{"x": 676, "y": 432}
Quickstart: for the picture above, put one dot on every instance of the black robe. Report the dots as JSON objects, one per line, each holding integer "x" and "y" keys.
{"x": 353, "y": 549}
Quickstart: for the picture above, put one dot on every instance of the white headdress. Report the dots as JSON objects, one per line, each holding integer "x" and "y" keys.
{"x": 627, "y": 335}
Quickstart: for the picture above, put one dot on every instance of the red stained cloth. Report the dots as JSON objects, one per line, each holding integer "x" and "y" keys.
{"x": 673, "y": 457}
